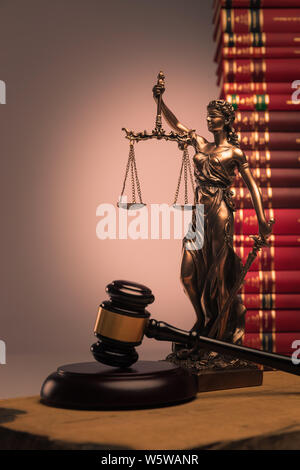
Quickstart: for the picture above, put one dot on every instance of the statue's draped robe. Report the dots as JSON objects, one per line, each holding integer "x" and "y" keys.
{"x": 217, "y": 265}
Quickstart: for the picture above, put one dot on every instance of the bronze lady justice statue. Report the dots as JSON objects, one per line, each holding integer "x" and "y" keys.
{"x": 208, "y": 274}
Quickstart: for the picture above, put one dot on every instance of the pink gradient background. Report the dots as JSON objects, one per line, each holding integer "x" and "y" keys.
{"x": 77, "y": 71}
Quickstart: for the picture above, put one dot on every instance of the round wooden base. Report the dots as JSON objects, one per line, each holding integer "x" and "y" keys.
{"x": 92, "y": 386}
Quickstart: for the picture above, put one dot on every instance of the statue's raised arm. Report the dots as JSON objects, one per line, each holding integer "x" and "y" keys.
{"x": 170, "y": 117}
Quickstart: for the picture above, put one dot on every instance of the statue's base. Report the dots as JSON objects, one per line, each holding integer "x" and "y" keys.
{"x": 94, "y": 386}
{"x": 216, "y": 372}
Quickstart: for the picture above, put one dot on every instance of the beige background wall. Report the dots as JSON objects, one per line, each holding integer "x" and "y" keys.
{"x": 77, "y": 71}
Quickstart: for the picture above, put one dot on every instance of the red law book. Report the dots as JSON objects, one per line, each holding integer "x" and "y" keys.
{"x": 287, "y": 221}
{"x": 274, "y": 240}
{"x": 260, "y": 121}
{"x": 257, "y": 52}
{"x": 250, "y": 4}
{"x": 256, "y": 40}
{"x": 245, "y": 102}
{"x": 271, "y": 301}
{"x": 275, "y": 177}
{"x": 259, "y": 70}
{"x": 269, "y": 140}
{"x": 257, "y": 88}
{"x": 281, "y": 282}
{"x": 268, "y": 321}
{"x": 285, "y": 258}
{"x": 273, "y": 198}
{"x": 280, "y": 343}
{"x": 283, "y": 20}
{"x": 273, "y": 159}
{"x": 255, "y": 3}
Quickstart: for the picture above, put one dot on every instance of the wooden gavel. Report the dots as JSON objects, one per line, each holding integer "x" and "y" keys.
{"x": 123, "y": 321}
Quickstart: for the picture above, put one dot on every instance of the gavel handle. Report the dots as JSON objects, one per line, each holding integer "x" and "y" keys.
{"x": 164, "y": 332}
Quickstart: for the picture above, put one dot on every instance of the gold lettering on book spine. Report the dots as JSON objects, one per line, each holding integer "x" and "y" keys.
{"x": 269, "y": 197}
{"x": 273, "y": 275}
{"x": 224, "y": 20}
{"x": 287, "y": 18}
{"x": 265, "y": 321}
{"x": 260, "y": 316}
{"x": 261, "y": 19}
{"x": 261, "y": 280}
{"x": 257, "y": 157}
{"x": 267, "y": 114}
{"x": 274, "y": 342}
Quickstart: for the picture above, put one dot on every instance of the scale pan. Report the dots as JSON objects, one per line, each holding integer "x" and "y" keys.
{"x": 184, "y": 207}
{"x": 130, "y": 205}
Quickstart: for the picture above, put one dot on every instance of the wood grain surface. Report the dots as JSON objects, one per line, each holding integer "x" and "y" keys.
{"x": 265, "y": 417}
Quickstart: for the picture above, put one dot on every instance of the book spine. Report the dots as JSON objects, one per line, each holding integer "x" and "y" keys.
{"x": 259, "y": 70}
{"x": 263, "y": 39}
{"x": 258, "y": 52}
{"x": 272, "y": 121}
{"x": 271, "y": 321}
{"x": 275, "y": 177}
{"x": 273, "y": 159}
{"x": 256, "y": 3}
{"x": 285, "y": 258}
{"x": 281, "y": 282}
{"x": 287, "y": 221}
{"x": 273, "y": 198}
{"x": 258, "y": 20}
{"x": 255, "y": 40}
{"x": 281, "y": 343}
{"x": 271, "y": 301}
{"x": 244, "y": 102}
{"x": 269, "y": 140}
{"x": 274, "y": 240}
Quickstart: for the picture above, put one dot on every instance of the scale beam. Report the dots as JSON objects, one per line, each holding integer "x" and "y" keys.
{"x": 156, "y": 134}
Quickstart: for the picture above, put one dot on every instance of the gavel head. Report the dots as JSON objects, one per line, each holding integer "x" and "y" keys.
{"x": 121, "y": 322}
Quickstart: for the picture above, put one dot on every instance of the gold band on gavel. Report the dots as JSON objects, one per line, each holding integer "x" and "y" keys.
{"x": 120, "y": 327}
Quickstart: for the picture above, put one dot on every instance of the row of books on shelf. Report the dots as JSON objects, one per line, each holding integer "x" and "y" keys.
{"x": 261, "y": 39}
{"x": 272, "y": 102}
{"x": 266, "y": 121}
{"x": 258, "y": 70}
{"x": 273, "y": 177}
{"x": 281, "y": 282}
{"x": 273, "y": 159}
{"x": 271, "y": 301}
{"x": 277, "y": 198}
{"x": 272, "y": 140}
{"x": 273, "y": 330}
{"x": 258, "y": 44}
{"x": 271, "y": 321}
{"x": 232, "y": 20}
{"x": 282, "y": 258}
{"x": 277, "y": 342}
{"x": 274, "y": 240}
{"x": 218, "y": 4}
{"x": 287, "y": 221}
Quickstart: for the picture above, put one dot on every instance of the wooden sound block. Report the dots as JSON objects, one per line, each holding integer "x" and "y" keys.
{"x": 93, "y": 386}
{"x": 219, "y": 372}
{"x": 226, "y": 379}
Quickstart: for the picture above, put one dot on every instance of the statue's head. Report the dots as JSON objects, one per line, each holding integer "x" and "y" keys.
{"x": 221, "y": 115}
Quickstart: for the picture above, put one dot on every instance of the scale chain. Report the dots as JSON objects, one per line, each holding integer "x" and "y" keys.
{"x": 186, "y": 199}
{"x": 178, "y": 184}
{"x": 132, "y": 172}
{"x": 126, "y": 173}
{"x": 185, "y": 167}
{"x": 138, "y": 186}
{"x": 190, "y": 169}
